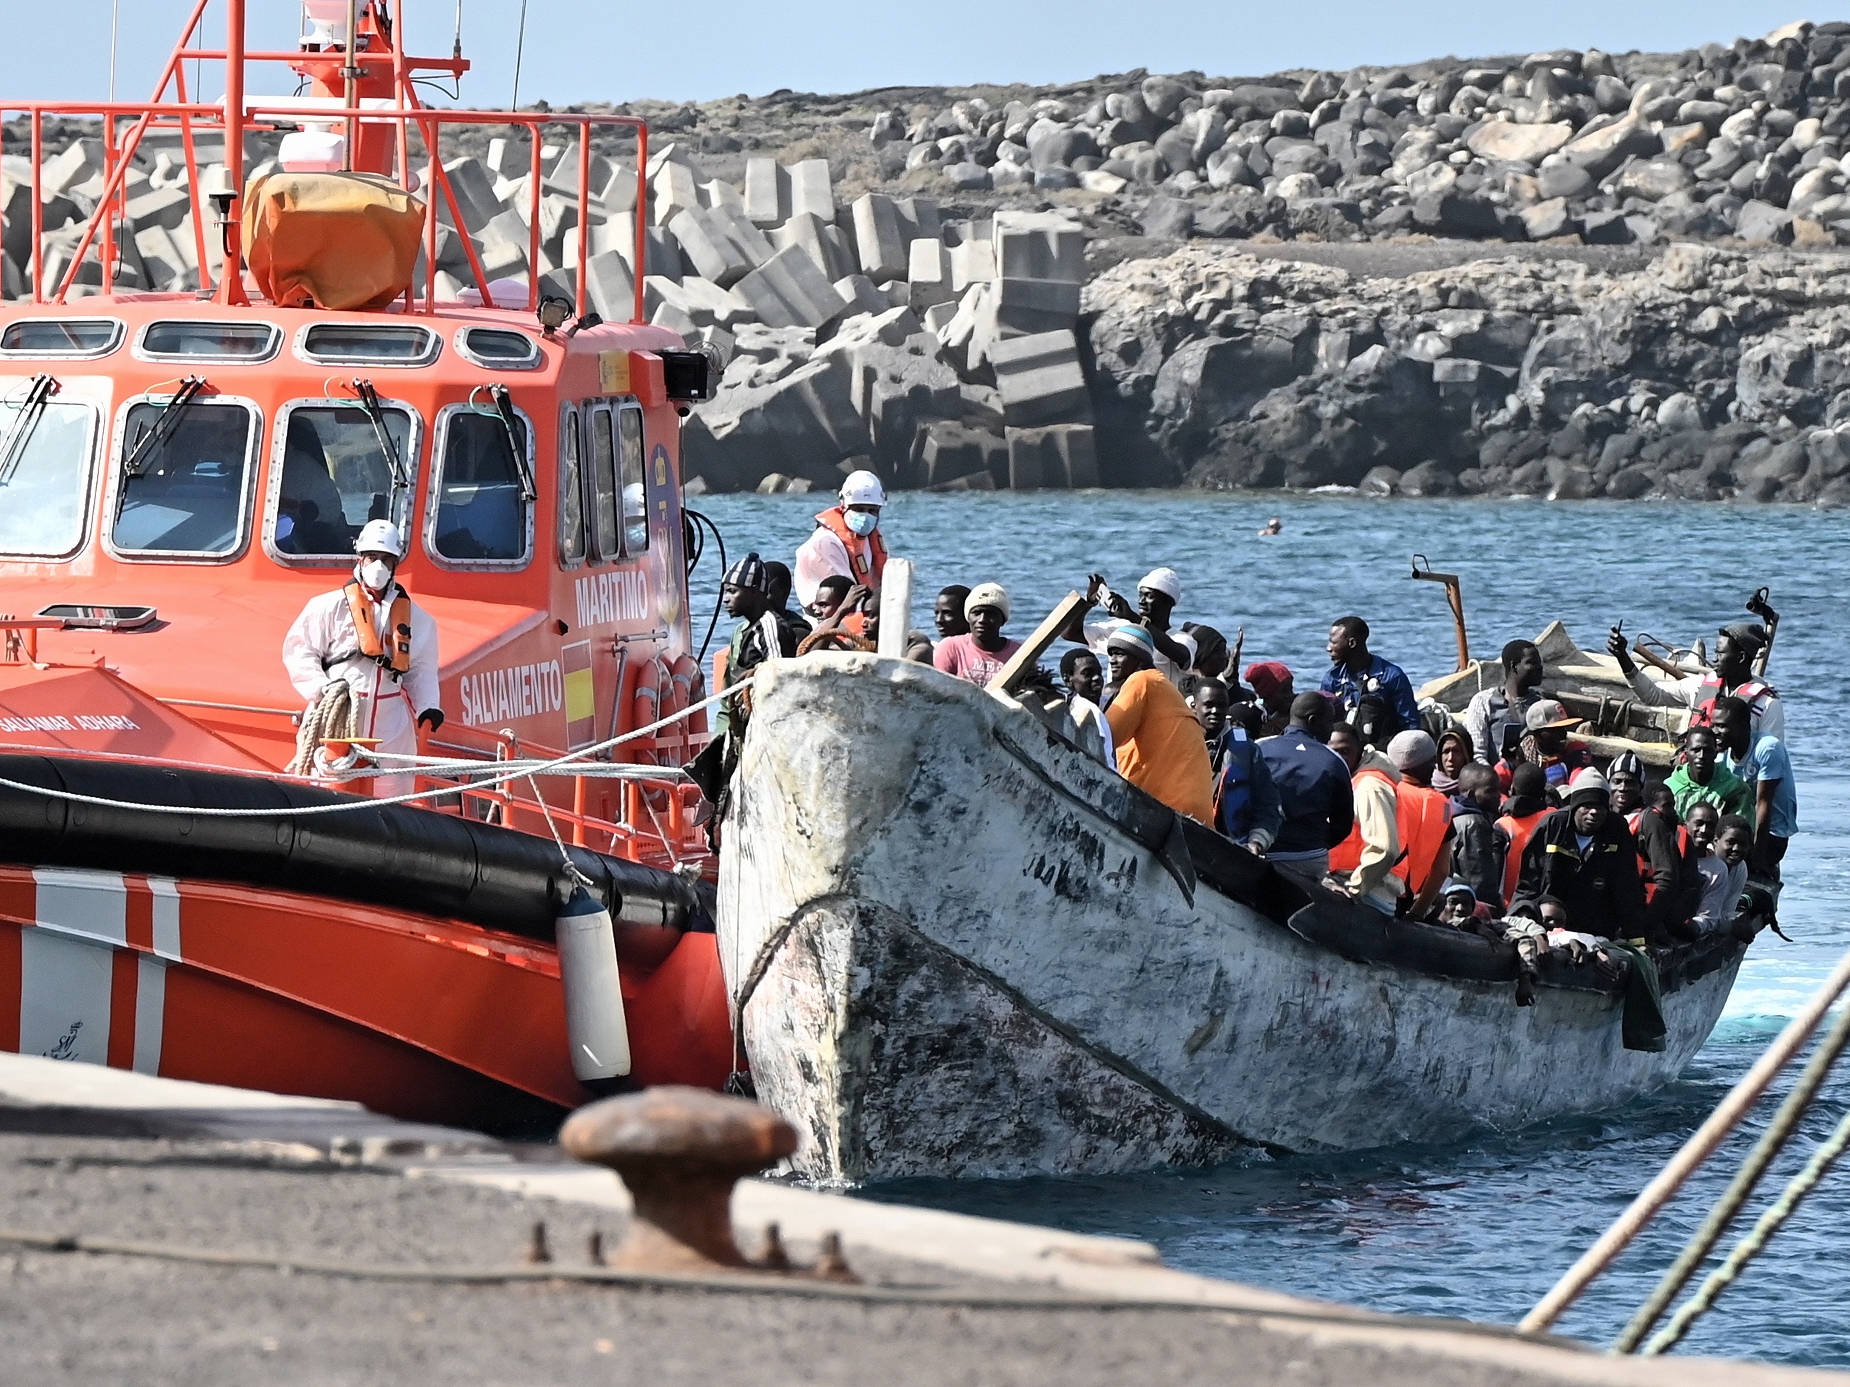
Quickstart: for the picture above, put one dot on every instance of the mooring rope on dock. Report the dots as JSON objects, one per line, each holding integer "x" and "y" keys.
{"x": 502, "y": 775}
{"x": 760, "y": 1283}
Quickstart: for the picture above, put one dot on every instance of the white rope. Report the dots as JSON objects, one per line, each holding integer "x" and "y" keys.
{"x": 571, "y": 867}
{"x": 332, "y": 716}
{"x": 500, "y": 778}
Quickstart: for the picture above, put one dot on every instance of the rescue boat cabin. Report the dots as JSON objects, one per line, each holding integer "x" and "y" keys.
{"x": 180, "y": 473}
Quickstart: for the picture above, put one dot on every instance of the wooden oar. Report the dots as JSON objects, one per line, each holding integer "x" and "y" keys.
{"x": 1025, "y": 659}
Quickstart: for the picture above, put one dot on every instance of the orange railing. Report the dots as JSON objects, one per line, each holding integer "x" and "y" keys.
{"x": 190, "y": 117}
{"x": 645, "y": 819}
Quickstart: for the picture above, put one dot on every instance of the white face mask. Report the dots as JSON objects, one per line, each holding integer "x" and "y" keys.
{"x": 862, "y": 522}
{"x": 376, "y": 574}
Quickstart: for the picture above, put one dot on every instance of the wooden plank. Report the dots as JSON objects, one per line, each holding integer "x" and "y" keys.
{"x": 1023, "y": 660}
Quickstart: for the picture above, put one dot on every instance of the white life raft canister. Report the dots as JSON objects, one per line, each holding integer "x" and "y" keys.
{"x": 594, "y": 1021}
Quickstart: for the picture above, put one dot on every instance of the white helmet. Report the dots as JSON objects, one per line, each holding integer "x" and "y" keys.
{"x": 380, "y": 537}
{"x": 862, "y": 489}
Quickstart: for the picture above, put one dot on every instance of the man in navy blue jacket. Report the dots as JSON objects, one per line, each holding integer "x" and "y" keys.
{"x": 1370, "y": 693}
{"x": 1313, "y": 787}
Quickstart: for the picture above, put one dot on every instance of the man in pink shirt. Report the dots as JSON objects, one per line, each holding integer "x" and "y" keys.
{"x": 980, "y": 655}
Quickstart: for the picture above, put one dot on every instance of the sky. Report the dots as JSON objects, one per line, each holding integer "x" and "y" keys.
{"x": 601, "y": 50}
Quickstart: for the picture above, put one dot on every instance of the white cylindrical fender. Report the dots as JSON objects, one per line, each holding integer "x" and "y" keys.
{"x": 594, "y": 1020}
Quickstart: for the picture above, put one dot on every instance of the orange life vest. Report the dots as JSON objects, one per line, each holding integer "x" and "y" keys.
{"x": 1647, "y": 870}
{"x": 398, "y": 659}
{"x": 1423, "y": 816}
{"x": 1520, "y": 832}
{"x": 1346, "y": 856}
{"x": 866, "y": 566}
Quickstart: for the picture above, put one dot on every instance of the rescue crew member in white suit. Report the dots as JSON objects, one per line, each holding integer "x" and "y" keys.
{"x": 382, "y": 644}
{"x": 847, "y": 540}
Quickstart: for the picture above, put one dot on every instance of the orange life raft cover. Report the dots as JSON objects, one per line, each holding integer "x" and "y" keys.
{"x": 331, "y": 240}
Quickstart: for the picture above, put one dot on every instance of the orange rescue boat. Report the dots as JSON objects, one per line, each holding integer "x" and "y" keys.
{"x": 180, "y": 473}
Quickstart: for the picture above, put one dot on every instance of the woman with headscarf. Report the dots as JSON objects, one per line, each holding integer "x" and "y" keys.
{"x": 1454, "y": 756}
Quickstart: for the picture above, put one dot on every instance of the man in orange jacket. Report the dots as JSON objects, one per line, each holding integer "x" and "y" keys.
{"x": 1424, "y": 818}
{"x": 1159, "y": 743}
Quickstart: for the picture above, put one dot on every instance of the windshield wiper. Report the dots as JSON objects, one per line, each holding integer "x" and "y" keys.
{"x": 510, "y": 424}
{"x": 369, "y": 403}
{"x": 31, "y": 409}
{"x": 150, "y": 439}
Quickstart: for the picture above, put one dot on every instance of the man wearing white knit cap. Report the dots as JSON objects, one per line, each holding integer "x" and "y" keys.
{"x": 980, "y": 654}
{"x": 1157, "y": 595}
{"x": 846, "y": 540}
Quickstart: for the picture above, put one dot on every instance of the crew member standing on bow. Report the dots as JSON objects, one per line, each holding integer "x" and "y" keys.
{"x": 846, "y": 541}
{"x": 371, "y": 636}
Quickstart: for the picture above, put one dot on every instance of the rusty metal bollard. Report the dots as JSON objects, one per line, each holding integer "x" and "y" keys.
{"x": 679, "y": 1151}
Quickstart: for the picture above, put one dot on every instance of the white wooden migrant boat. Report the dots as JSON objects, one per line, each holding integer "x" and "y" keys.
{"x": 1593, "y": 689}
{"x": 957, "y": 946}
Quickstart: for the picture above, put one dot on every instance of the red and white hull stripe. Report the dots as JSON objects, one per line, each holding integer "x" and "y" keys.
{"x": 93, "y": 967}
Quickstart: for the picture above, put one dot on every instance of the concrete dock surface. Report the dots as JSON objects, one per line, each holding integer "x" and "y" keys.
{"x": 89, "y": 1152}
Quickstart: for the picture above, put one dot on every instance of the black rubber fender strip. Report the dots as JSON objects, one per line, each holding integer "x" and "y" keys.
{"x": 398, "y": 856}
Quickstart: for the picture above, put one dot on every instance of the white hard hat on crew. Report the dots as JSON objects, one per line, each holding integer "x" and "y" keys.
{"x": 862, "y": 489}
{"x": 380, "y": 537}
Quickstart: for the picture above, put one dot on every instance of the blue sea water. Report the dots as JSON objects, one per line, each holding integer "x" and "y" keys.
{"x": 1482, "y": 1228}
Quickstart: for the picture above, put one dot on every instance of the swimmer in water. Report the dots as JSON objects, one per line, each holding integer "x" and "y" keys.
{"x": 1274, "y": 526}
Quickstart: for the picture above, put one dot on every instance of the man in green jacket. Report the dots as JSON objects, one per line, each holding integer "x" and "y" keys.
{"x": 1703, "y": 779}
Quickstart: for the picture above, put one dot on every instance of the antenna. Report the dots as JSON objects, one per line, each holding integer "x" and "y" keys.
{"x": 520, "y": 47}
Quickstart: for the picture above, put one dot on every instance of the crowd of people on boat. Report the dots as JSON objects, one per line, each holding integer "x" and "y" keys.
{"x": 1496, "y": 820}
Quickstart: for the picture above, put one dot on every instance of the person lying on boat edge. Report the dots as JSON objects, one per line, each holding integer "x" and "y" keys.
{"x": 370, "y": 636}
{"x": 1315, "y": 797}
{"x": 1159, "y": 743}
{"x": 1737, "y": 646}
{"x": 1585, "y": 857}
{"x": 846, "y": 540}
{"x": 979, "y": 654}
{"x": 1365, "y": 866}
{"x": 1372, "y": 694}
{"x": 1702, "y": 776}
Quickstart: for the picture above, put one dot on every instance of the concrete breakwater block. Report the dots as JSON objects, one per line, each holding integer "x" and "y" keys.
{"x": 1041, "y": 379}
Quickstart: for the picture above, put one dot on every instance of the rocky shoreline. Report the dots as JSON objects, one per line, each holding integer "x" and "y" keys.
{"x": 1564, "y": 274}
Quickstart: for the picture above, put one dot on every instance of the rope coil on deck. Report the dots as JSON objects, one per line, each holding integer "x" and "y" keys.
{"x": 504, "y": 772}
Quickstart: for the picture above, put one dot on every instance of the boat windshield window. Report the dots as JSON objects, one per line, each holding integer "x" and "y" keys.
{"x": 336, "y": 477}
{"x": 186, "y": 494}
{"x": 45, "y": 485}
{"x": 635, "y": 498}
{"x": 61, "y": 337}
{"x": 188, "y": 339}
{"x": 481, "y": 513}
{"x": 571, "y": 496}
{"x": 604, "y": 483}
